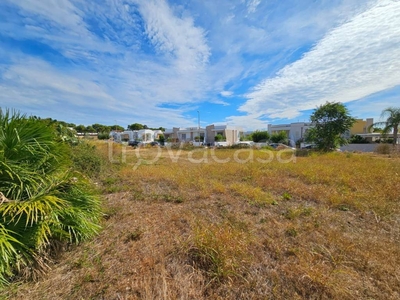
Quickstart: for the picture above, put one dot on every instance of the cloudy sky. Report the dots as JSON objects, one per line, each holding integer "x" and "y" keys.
{"x": 167, "y": 63}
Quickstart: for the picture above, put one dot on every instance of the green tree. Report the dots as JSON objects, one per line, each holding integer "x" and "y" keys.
{"x": 100, "y": 128}
{"x": 219, "y": 138}
{"x": 80, "y": 128}
{"x": 116, "y": 127}
{"x": 331, "y": 120}
{"x": 260, "y": 136}
{"x": 90, "y": 129}
{"x": 161, "y": 139}
{"x": 279, "y": 137}
{"x": 135, "y": 126}
{"x": 392, "y": 123}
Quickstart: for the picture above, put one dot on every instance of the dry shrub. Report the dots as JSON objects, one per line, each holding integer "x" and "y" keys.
{"x": 219, "y": 250}
{"x": 383, "y": 149}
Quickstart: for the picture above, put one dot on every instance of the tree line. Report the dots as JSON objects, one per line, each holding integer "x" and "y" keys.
{"x": 96, "y": 127}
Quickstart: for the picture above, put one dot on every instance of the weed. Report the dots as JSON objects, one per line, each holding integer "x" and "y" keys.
{"x": 218, "y": 250}
{"x": 134, "y": 236}
{"x": 286, "y": 196}
{"x": 292, "y": 232}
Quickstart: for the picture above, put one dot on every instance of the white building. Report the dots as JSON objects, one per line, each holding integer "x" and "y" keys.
{"x": 294, "y": 131}
{"x": 185, "y": 134}
{"x": 231, "y": 134}
{"x": 144, "y": 135}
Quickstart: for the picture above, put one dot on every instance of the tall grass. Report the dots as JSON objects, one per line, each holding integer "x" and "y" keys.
{"x": 44, "y": 203}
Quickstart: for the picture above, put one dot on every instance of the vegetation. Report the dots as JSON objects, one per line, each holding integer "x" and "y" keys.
{"x": 103, "y": 135}
{"x": 138, "y": 126}
{"x": 279, "y": 137}
{"x": 392, "y": 123}
{"x": 260, "y": 136}
{"x": 161, "y": 139}
{"x": 219, "y": 138}
{"x": 357, "y": 139}
{"x": 43, "y": 204}
{"x": 330, "y": 121}
{"x": 204, "y": 225}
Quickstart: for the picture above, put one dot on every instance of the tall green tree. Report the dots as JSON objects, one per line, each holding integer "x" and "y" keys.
{"x": 392, "y": 123}
{"x": 331, "y": 120}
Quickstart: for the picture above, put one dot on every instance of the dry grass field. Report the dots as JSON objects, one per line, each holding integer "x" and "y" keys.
{"x": 236, "y": 224}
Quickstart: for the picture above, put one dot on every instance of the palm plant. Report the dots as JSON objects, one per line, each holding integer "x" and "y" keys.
{"x": 41, "y": 202}
{"x": 392, "y": 115}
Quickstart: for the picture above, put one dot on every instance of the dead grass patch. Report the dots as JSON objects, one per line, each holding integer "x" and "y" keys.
{"x": 324, "y": 227}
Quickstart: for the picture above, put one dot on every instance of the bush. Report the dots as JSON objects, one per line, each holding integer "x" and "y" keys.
{"x": 43, "y": 203}
{"x": 260, "y": 136}
{"x": 219, "y": 138}
{"x": 356, "y": 139}
{"x": 279, "y": 137}
{"x": 86, "y": 159}
{"x": 383, "y": 149}
{"x": 103, "y": 136}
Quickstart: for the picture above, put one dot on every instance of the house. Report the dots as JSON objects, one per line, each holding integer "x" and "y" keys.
{"x": 144, "y": 135}
{"x": 231, "y": 134}
{"x": 185, "y": 134}
{"x": 294, "y": 131}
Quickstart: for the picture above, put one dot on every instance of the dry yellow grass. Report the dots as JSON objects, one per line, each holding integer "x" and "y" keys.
{"x": 194, "y": 227}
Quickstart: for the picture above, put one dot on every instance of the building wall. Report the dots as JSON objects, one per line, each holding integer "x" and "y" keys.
{"x": 361, "y": 126}
{"x": 294, "y": 131}
{"x": 210, "y": 134}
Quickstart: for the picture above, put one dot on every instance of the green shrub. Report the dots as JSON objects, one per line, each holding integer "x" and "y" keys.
{"x": 103, "y": 135}
{"x": 43, "y": 202}
{"x": 357, "y": 139}
{"x": 86, "y": 159}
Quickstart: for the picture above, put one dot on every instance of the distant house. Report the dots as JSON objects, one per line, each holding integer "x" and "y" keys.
{"x": 144, "y": 135}
{"x": 231, "y": 134}
{"x": 185, "y": 134}
{"x": 294, "y": 131}
{"x": 297, "y": 131}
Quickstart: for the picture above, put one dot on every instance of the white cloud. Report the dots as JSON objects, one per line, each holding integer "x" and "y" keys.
{"x": 252, "y": 5}
{"x": 354, "y": 60}
{"x": 226, "y": 93}
{"x": 173, "y": 35}
{"x": 249, "y": 122}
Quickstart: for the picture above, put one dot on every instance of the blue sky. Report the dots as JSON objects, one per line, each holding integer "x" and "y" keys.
{"x": 236, "y": 62}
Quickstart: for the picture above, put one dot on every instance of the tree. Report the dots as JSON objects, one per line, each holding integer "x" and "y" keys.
{"x": 161, "y": 139}
{"x": 80, "y": 128}
{"x": 260, "y": 136}
{"x": 116, "y": 127}
{"x": 90, "y": 129}
{"x": 135, "y": 126}
{"x": 219, "y": 137}
{"x": 279, "y": 137}
{"x": 331, "y": 120}
{"x": 392, "y": 115}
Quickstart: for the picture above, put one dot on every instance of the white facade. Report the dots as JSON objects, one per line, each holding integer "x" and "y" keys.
{"x": 294, "y": 131}
{"x": 190, "y": 134}
{"x": 230, "y": 133}
{"x": 144, "y": 135}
